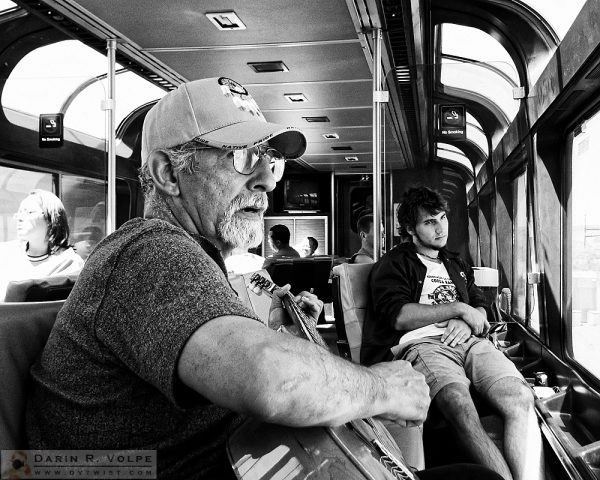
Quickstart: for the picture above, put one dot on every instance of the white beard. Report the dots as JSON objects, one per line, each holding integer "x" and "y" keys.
{"x": 242, "y": 232}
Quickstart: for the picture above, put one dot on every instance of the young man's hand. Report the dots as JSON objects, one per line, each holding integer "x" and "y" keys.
{"x": 457, "y": 331}
{"x": 474, "y": 318}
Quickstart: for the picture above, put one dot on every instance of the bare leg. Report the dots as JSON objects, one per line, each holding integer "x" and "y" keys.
{"x": 523, "y": 448}
{"x": 456, "y": 404}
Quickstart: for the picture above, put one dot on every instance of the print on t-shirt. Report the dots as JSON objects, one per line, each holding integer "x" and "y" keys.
{"x": 443, "y": 293}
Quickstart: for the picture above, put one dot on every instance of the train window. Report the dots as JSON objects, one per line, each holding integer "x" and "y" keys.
{"x": 70, "y": 77}
{"x": 454, "y": 154}
{"x": 84, "y": 201}
{"x": 131, "y": 91}
{"x": 558, "y": 13}
{"x": 519, "y": 280}
{"x": 472, "y": 60}
{"x": 533, "y": 294}
{"x": 6, "y": 5}
{"x": 585, "y": 245}
{"x": 15, "y": 185}
{"x": 476, "y": 134}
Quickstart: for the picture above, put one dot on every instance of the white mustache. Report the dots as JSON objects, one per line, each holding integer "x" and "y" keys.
{"x": 258, "y": 201}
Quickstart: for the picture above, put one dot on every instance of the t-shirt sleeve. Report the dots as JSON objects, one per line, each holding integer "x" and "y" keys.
{"x": 160, "y": 291}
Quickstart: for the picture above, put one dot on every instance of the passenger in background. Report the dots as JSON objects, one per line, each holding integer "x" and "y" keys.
{"x": 154, "y": 350}
{"x": 279, "y": 240}
{"x": 84, "y": 247}
{"x": 309, "y": 246}
{"x": 429, "y": 312}
{"x": 42, "y": 247}
{"x": 364, "y": 227}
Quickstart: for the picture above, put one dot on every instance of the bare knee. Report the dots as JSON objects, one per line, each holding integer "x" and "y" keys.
{"x": 512, "y": 398}
{"x": 454, "y": 396}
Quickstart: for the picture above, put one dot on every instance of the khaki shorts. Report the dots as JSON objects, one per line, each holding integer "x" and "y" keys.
{"x": 476, "y": 361}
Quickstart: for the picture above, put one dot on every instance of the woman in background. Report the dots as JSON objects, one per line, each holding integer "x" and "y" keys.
{"x": 42, "y": 247}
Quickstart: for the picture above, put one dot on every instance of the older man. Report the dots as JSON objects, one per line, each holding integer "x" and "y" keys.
{"x": 153, "y": 349}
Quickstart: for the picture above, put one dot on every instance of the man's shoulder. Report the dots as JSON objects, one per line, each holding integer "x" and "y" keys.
{"x": 400, "y": 251}
{"x": 147, "y": 240}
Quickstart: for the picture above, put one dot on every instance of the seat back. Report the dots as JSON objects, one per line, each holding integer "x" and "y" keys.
{"x": 351, "y": 303}
{"x": 281, "y": 271}
{"x": 24, "y": 330}
{"x": 351, "y": 306}
{"x": 40, "y": 289}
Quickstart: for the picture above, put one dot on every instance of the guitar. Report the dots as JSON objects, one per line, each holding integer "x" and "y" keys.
{"x": 360, "y": 449}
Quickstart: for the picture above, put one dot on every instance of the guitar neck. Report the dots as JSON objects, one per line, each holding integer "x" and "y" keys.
{"x": 306, "y": 324}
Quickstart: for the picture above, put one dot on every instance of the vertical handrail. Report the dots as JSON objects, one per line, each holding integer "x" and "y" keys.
{"x": 378, "y": 98}
{"x": 333, "y": 215}
{"x": 109, "y": 107}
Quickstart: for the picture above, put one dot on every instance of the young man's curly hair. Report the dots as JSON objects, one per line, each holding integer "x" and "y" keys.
{"x": 429, "y": 200}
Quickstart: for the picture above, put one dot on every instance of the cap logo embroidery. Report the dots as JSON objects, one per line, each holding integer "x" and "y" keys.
{"x": 239, "y": 96}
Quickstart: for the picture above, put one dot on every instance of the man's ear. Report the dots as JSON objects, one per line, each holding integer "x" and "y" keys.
{"x": 162, "y": 174}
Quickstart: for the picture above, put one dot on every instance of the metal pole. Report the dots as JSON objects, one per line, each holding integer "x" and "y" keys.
{"x": 109, "y": 107}
{"x": 333, "y": 216}
{"x": 378, "y": 97}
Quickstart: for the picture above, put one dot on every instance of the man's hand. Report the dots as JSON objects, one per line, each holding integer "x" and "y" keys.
{"x": 456, "y": 332}
{"x": 307, "y": 301}
{"x": 474, "y": 318}
{"x": 406, "y": 391}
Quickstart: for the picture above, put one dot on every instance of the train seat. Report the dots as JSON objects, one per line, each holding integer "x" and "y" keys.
{"x": 43, "y": 289}
{"x": 24, "y": 330}
{"x": 304, "y": 274}
{"x": 281, "y": 270}
{"x": 350, "y": 303}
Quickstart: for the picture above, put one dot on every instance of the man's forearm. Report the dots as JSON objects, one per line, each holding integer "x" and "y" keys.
{"x": 416, "y": 315}
{"x": 315, "y": 387}
{"x": 241, "y": 365}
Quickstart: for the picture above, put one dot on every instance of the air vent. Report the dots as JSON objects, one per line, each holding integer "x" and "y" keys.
{"x": 342, "y": 148}
{"x": 351, "y": 159}
{"x": 226, "y": 20}
{"x": 295, "y": 97}
{"x": 268, "y": 67}
{"x": 331, "y": 136}
{"x": 358, "y": 166}
{"x": 403, "y": 74}
{"x": 316, "y": 119}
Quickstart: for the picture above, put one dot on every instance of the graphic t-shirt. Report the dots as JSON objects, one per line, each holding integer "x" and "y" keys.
{"x": 437, "y": 289}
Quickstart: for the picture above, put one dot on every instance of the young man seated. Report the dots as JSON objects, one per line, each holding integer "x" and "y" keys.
{"x": 430, "y": 313}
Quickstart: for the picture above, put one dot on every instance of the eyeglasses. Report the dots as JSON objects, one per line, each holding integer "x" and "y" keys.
{"x": 246, "y": 160}
{"x": 27, "y": 213}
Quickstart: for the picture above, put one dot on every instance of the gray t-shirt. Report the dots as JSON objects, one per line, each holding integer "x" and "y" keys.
{"x": 107, "y": 378}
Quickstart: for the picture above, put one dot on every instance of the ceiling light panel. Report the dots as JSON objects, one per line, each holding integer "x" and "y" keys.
{"x": 295, "y": 97}
{"x": 268, "y": 67}
{"x": 226, "y": 21}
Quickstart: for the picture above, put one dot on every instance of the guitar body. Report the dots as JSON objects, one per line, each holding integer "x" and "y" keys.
{"x": 262, "y": 451}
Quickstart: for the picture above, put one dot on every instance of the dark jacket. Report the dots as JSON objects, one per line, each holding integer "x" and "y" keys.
{"x": 397, "y": 279}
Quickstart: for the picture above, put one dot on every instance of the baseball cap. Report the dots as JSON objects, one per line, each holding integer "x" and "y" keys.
{"x": 218, "y": 112}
